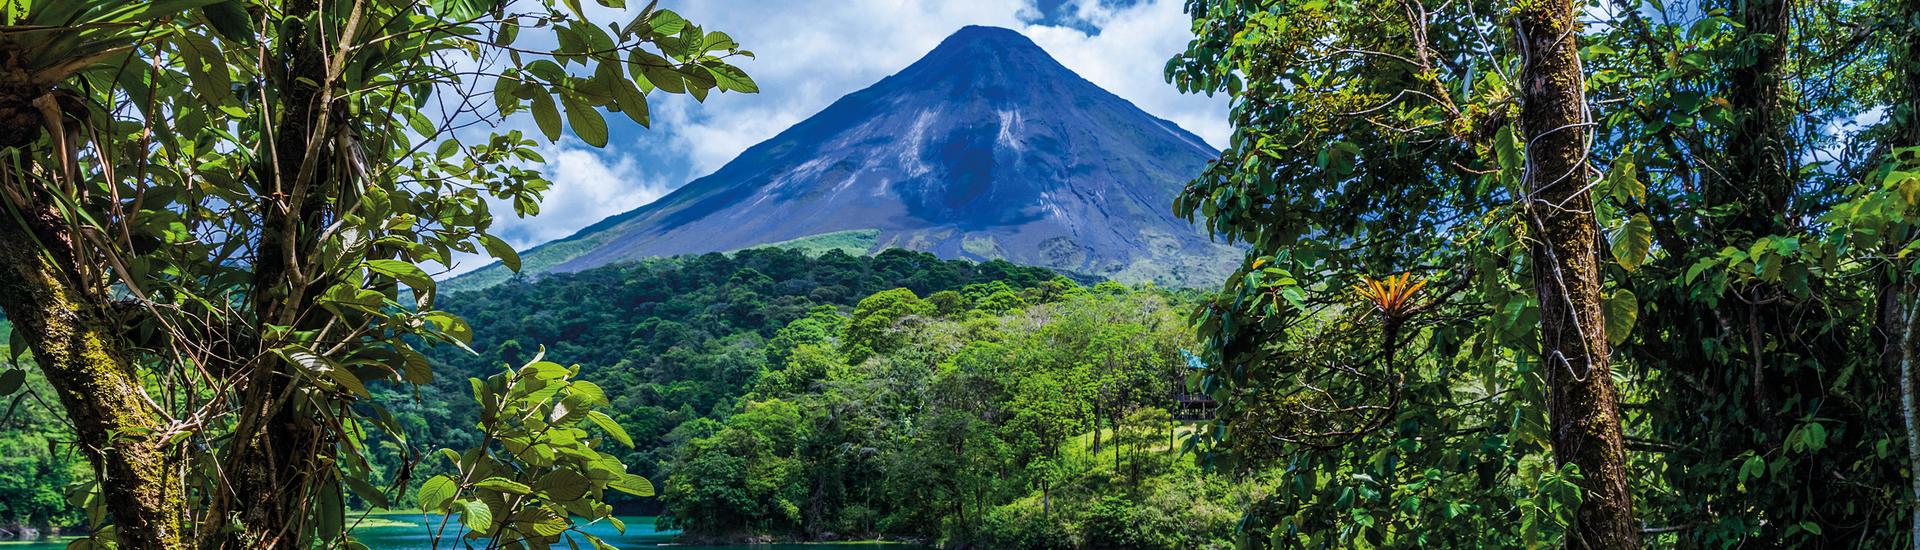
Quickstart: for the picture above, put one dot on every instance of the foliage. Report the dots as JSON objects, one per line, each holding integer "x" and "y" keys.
{"x": 537, "y": 470}
{"x": 1757, "y": 243}
{"x": 37, "y": 465}
{"x": 676, "y": 340}
{"x": 214, "y": 216}
{"x": 1045, "y": 425}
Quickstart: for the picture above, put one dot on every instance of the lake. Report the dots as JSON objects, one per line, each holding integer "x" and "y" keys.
{"x": 398, "y": 531}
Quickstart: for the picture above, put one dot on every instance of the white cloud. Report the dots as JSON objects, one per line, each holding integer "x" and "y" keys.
{"x": 588, "y": 185}
{"x": 1128, "y": 57}
{"x": 812, "y": 53}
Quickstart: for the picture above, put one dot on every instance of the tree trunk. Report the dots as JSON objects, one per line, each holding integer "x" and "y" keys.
{"x": 1897, "y": 318}
{"x": 77, "y": 344}
{"x": 1760, "y": 186}
{"x": 1901, "y": 341}
{"x": 1910, "y": 406}
{"x": 1580, "y": 396}
{"x": 279, "y": 462}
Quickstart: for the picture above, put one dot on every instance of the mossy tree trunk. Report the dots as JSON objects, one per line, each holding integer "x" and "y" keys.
{"x": 1758, "y": 189}
{"x": 66, "y": 316}
{"x": 1565, "y": 236}
{"x": 285, "y": 441}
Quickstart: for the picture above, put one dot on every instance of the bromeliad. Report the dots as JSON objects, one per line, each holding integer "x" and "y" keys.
{"x": 1392, "y": 296}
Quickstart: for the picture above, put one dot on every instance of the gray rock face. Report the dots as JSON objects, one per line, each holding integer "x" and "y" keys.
{"x": 986, "y": 148}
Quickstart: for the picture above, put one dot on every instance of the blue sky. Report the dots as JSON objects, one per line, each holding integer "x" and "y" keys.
{"x": 811, "y": 52}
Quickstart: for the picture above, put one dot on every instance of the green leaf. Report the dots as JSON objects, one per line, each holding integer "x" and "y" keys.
{"x": 612, "y": 428}
{"x": 731, "y": 78}
{"x": 475, "y": 515}
{"x": 1754, "y": 468}
{"x": 436, "y": 492}
{"x": 666, "y": 23}
{"x": 447, "y": 149}
{"x": 1632, "y": 241}
{"x": 632, "y": 484}
{"x": 206, "y": 70}
{"x": 11, "y": 381}
{"x": 546, "y": 115}
{"x": 501, "y": 250}
{"x": 540, "y": 522}
{"x": 718, "y": 41}
{"x": 414, "y": 367}
{"x": 1623, "y": 181}
{"x": 148, "y": 11}
{"x": 631, "y": 100}
{"x": 321, "y": 368}
{"x": 406, "y": 273}
{"x": 588, "y": 391}
{"x": 563, "y": 485}
{"x": 504, "y": 485}
{"x": 231, "y": 20}
{"x": 666, "y": 78}
{"x": 16, "y": 345}
{"x": 366, "y": 491}
{"x": 586, "y": 121}
{"x": 1622, "y": 310}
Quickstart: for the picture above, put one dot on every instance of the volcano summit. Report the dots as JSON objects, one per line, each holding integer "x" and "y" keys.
{"x": 986, "y": 148}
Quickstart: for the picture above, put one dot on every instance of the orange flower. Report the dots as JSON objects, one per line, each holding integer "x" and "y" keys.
{"x": 1393, "y": 296}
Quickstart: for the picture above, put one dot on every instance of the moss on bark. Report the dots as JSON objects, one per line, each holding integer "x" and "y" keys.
{"x": 1581, "y": 400}
{"x": 77, "y": 345}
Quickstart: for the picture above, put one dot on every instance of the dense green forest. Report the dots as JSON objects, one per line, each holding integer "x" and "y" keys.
{"x": 1519, "y": 274}
{"x": 968, "y": 420}
{"x": 36, "y": 466}
{"x": 1547, "y": 272}
{"x": 672, "y": 340}
{"x": 777, "y": 395}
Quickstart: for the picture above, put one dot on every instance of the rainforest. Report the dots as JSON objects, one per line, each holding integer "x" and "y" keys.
{"x": 1076, "y": 274}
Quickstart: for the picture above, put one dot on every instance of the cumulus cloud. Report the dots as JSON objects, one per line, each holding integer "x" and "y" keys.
{"x": 1128, "y": 57}
{"x": 809, "y": 54}
{"x": 588, "y": 185}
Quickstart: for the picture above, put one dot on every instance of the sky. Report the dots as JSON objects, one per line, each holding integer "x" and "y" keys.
{"x": 808, "y": 53}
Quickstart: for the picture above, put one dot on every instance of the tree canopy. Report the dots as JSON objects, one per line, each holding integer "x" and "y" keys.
{"x": 1709, "y": 206}
{"x": 218, "y": 217}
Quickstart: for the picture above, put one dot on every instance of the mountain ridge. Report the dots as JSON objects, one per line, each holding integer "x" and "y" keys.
{"x": 985, "y": 148}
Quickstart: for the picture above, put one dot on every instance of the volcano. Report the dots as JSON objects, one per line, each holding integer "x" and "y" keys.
{"x": 986, "y": 148}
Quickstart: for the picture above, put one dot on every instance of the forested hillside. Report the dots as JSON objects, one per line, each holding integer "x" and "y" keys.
{"x": 676, "y": 339}
{"x": 1516, "y": 274}
{"x": 968, "y": 421}
{"x": 35, "y": 468}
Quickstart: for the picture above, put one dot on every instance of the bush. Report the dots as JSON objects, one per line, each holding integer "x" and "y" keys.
{"x": 1023, "y": 525}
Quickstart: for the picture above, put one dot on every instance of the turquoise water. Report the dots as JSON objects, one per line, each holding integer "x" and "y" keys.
{"x": 412, "y": 532}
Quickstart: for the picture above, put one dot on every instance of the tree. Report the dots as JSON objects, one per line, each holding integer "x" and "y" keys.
{"x": 1375, "y": 138}
{"x": 1575, "y": 350}
{"x": 1719, "y": 230}
{"x": 876, "y": 326}
{"x": 211, "y": 208}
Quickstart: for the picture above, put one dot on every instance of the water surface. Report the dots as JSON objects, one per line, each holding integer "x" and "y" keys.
{"x": 401, "y": 531}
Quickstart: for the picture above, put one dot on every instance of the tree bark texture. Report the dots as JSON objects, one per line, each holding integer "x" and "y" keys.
{"x": 1581, "y": 400}
{"x": 65, "y": 318}
{"x": 286, "y": 441}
